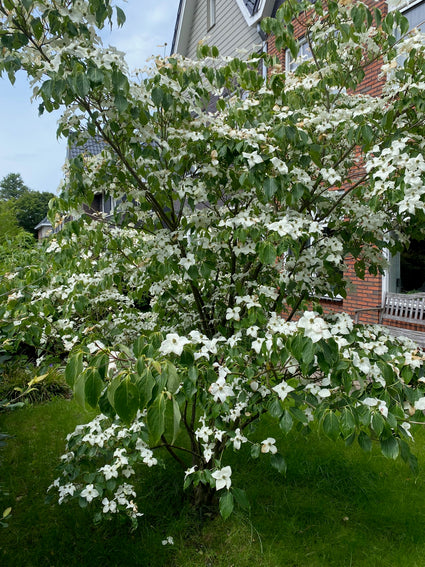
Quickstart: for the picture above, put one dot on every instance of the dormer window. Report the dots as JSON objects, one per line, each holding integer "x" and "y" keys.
{"x": 211, "y": 13}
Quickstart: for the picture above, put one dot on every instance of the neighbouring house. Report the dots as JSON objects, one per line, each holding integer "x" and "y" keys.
{"x": 230, "y": 25}
{"x": 234, "y": 25}
{"x": 44, "y": 228}
{"x": 406, "y": 272}
{"x": 102, "y": 203}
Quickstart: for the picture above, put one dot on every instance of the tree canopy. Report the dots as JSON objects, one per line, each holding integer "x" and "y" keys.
{"x": 12, "y": 186}
{"x": 22, "y": 206}
{"x": 231, "y": 226}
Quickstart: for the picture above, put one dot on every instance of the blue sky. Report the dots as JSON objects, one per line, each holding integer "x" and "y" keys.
{"x": 28, "y": 143}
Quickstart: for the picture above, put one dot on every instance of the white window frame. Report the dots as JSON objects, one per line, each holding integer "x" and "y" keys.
{"x": 211, "y": 14}
{"x": 290, "y": 61}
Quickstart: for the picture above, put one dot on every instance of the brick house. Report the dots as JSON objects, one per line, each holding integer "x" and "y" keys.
{"x": 233, "y": 25}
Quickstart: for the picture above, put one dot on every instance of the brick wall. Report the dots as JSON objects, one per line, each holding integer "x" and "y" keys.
{"x": 365, "y": 293}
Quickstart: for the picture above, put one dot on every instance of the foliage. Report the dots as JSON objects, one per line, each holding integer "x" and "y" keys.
{"x": 8, "y": 222}
{"x": 12, "y": 187}
{"x": 19, "y": 205}
{"x": 31, "y": 207}
{"x": 20, "y": 379}
{"x": 234, "y": 224}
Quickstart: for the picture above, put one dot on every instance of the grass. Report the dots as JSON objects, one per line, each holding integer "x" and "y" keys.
{"x": 337, "y": 507}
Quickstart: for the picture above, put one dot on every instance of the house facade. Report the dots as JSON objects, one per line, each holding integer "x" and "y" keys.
{"x": 406, "y": 272}
{"x": 230, "y": 25}
{"x": 234, "y": 25}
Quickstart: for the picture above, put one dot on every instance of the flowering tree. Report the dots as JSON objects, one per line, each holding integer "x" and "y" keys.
{"x": 233, "y": 223}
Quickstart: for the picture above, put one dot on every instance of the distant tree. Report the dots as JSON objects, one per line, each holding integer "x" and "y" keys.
{"x": 8, "y": 222}
{"x": 31, "y": 207}
{"x": 12, "y": 186}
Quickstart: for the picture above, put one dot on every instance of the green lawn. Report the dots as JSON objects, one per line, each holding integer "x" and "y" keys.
{"x": 337, "y": 507}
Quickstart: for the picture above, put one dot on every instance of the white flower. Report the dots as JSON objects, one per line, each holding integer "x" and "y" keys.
{"x": 283, "y": 389}
{"x": 187, "y": 262}
{"x": 314, "y": 326}
{"x": 89, "y": 493}
{"x": 257, "y": 344}
{"x": 109, "y": 471}
{"x": 233, "y": 313}
{"x": 324, "y": 393}
{"x": 173, "y": 343}
{"x": 406, "y": 426}
{"x": 269, "y": 446}
{"x": 252, "y": 158}
{"x": 67, "y": 489}
{"x": 222, "y": 478}
{"x": 238, "y": 439}
{"x": 220, "y": 390}
{"x": 168, "y": 541}
{"x": 109, "y": 506}
{"x": 371, "y": 402}
{"x": 279, "y": 165}
{"x": 94, "y": 347}
{"x": 420, "y": 404}
{"x": 190, "y": 471}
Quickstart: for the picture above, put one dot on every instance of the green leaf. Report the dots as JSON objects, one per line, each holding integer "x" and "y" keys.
{"x": 79, "y": 390}
{"x": 120, "y": 16}
{"x": 145, "y": 385}
{"x": 331, "y": 425}
{"x": 173, "y": 380}
{"x": 156, "y": 418}
{"x": 140, "y": 365}
{"x": 37, "y": 27}
{"x": 176, "y": 420}
{"x": 299, "y": 415}
{"x": 389, "y": 447}
{"x": 255, "y": 450}
{"x": 267, "y": 253}
{"x": 157, "y": 96}
{"x": 95, "y": 75}
{"x": 105, "y": 406}
{"x": 126, "y": 400}
{"x": 82, "y": 84}
{"x": 378, "y": 423}
{"x": 270, "y": 187}
{"x": 286, "y": 422}
{"x": 278, "y": 463}
{"x": 241, "y": 498}
{"x": 364, "y": 441}
{"x": 93, "y": 387}
{"x": 121, "y": 102}
{"x": 226, "y": 505}
{"x": 275, "y": 408}
{"x": 74, "y": 368}
{"x": 347, "y": 423}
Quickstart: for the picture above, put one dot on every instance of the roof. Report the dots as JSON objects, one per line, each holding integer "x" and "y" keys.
{"x": 44, "y": 222}
{"x": 93, "y": 146}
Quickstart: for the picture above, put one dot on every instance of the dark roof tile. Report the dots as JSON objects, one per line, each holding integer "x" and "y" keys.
{"x": 93, "y": 146}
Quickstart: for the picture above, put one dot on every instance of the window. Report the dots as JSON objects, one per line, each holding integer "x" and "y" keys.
{"x": 406, "y": 273}
{"x": 304, "y": 54}
{"x": 101, "y": 203}
{"x": 416, "y": 16}
{"x": 211, "y": 14}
